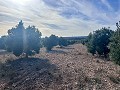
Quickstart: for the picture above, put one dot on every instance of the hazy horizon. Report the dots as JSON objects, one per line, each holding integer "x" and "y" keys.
{"x": 60, "y": 17}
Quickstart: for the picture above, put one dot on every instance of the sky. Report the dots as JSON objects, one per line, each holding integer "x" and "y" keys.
{"x": 60, "y": 17}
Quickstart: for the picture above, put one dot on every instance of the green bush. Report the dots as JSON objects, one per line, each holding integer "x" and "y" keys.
{"x": 71, "y": 42}
{"x": 50, "y": 42}
{"x": 2, "y": 42}
{"x": 62, "y": 42}
{"x": 21, "y": 40}
{"x": 115, "y": 46}
{"x": 98, "y": 41}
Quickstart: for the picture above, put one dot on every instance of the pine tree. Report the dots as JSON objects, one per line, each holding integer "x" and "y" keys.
{"x": 50, "y": 42}
{"x": 115, "y": 45}
{"x": 62, "y": 42}
{"x": 98, "y": 41}
{"x": 21, "y": 40}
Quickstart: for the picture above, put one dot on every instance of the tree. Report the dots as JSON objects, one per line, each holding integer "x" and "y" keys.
{"x": 50, "y": 42}
{"x": 98, "y": 41}
{"x": 91, "y": 44}
{"x": 2, "y": 42}
{"x": 89, "y": 37}
{"x": 32, "y": 40}
{"x": 62, "y": 42}
{"x": 23, "y": 40}
{"x": 71, "y": 42}
{"x": 15, "y": 35}
{"x": 115, "y": 45}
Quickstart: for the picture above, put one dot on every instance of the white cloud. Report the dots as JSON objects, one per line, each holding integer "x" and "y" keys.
{"x": 38, "y": 12}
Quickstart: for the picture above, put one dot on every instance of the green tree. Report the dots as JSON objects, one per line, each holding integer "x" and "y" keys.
{"x": 50, "y": 42}
{"x": 91, "y": 44}
{"x": 2, "y": 42}
{"x": 98, "y": 41}
{"x": 23, "y": 40}
{"x": 32, "y": 40}
{"x": 115, "y": 45}
{"x": 62, "y": 42}
{"x": 15, "y": 39}
{"x": 71, "y": 42}
{"x": 89, "y": 37}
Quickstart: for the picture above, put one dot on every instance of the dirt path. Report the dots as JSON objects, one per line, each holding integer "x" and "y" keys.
{"x": 69, "y": 68}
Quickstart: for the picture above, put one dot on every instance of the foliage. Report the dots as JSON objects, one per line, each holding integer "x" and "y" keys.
{"x": 62, "y": 42}
{"x": 50, "y": 42}
{"x": 33, "y": 40}
{"x": 98, "y": 41}
{"x": 23, "y": 40}
{"x": 91, "y": 44}
{"x": 82, "y": 41}
{"x": 71, "y": 42}
{"x": 2, "y": 42}
{"x": 115, "y": 45}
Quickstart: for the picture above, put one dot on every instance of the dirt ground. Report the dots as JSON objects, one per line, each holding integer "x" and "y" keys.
{"x": 68, "y": 68}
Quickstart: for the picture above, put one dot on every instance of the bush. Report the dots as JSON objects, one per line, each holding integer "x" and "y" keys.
{"x": 23, "y": 40}
{"x": 98, "y": 41}
{"x": 50, "y": 42}
{"x": 2, "y": 42}
{"x": 115, "y": 46}
{"x": 62, "y": 42}
{"x": 71, "y": 42}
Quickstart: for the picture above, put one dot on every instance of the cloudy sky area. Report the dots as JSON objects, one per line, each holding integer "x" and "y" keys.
{"x": 60, "y": 17}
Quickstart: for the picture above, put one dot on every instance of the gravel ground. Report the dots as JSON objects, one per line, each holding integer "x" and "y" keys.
{"x": 68, "y": 68}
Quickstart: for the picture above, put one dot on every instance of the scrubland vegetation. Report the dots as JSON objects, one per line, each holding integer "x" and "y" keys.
{"x": 57, "y": 63}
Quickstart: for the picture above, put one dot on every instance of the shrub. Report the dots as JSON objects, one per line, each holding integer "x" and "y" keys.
{"x": 50, "y": 42}
{"x": 71, "y": 42}
{"x": 98, "y": 41}
{"x": 115, "y": 46}
{"x": 62, "y": 42}
{"x": 23, "y": 40}
{"x": 2, "y": 42}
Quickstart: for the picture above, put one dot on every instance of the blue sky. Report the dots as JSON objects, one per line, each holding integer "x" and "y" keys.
{"x": 60, "y": 17}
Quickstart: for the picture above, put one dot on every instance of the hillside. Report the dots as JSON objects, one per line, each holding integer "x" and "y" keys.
{"x": 69, "y": 68}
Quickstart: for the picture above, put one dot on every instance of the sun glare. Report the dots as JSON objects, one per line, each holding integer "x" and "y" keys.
{"x": 20, "y": 1}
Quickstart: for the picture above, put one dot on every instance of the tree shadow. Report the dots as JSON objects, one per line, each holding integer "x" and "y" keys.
{"x": 65, "y": 47}
{"x": 25, "y": 73}
{"x": 58, "y": 52}
{"x": 68, "y": 48}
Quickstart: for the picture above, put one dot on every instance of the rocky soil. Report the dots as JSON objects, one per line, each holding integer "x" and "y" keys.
{"x": 68, "y": 68}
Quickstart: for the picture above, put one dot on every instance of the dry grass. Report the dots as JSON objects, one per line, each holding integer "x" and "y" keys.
{"x": 69, "y": 68}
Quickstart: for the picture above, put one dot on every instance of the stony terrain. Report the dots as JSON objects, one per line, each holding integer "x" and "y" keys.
{"x": 68, "y": 68}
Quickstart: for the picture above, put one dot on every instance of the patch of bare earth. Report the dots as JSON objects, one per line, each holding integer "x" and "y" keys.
{"x": 68, "y": 68}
